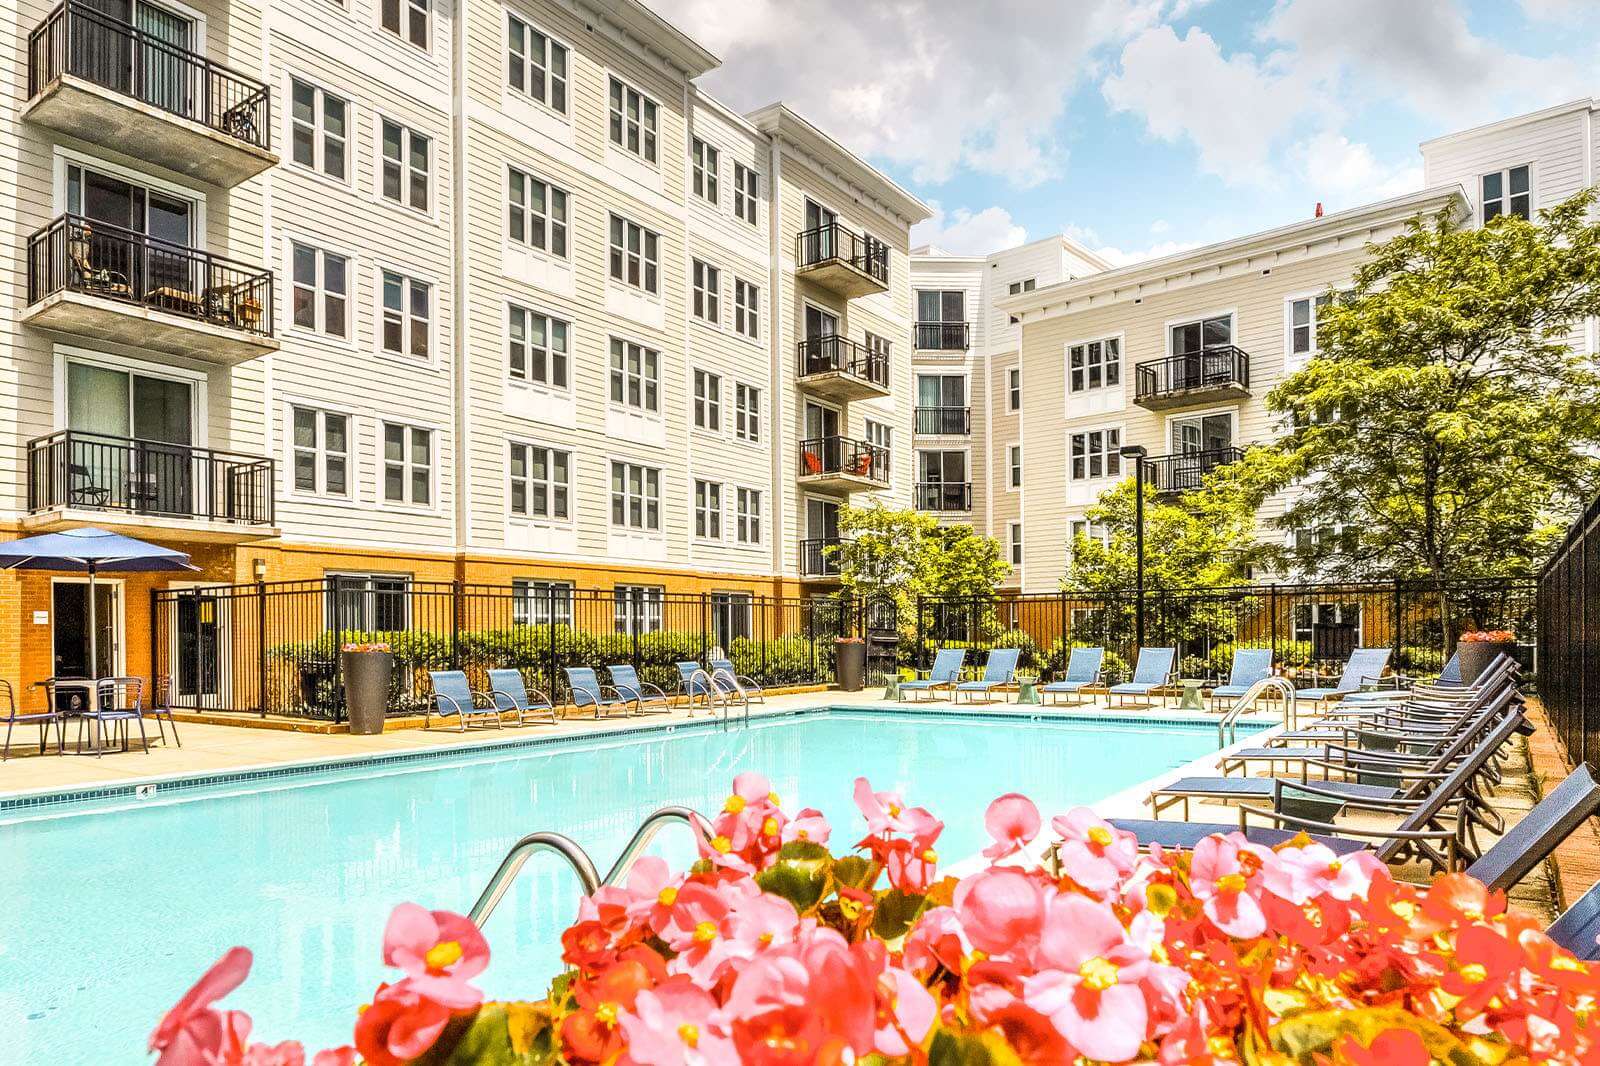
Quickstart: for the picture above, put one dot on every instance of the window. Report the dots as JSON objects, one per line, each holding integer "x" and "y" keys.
{"x": 541, "y": 482}
{"x": 1095, "y": 454}
{"x": 635, "y": 255}
{"x": 321, "y": 447}
{"x": 706, "y": 161}
{"x": 408, "y": 19}
{"x": 535, "y": 64}
{"x": 1014, "y": 389}
{"x": 321, "y": 290}
{"x": 935, "y": 305}
{"x": 730, "y": 617}
{"x": 707, "y": 292}
{"x": 1017, "y": 288}
{"x": 1095, "y": 365}
{"x": 1083, "y": 528}
{"x": 881, "y": 434}
{"x": 318, "y": 129}
{"x": 633, "y": 121}
{"x": 1303, "y": 324}
{"x": 1014, "y": 541}
{"x": 746, "y": 412}
{"x": 539, "y": 603}
{"x": 536, "y": 214}
{"x": 744, "y": 193}
{"x": 536, "y": 348}
{"x": 638, "y": 608}
{"x": 405, "y": 166}
{"x": 635, "y": 496}
{"x": 1014, "y": 466}
{"x": 1327, "y": 540}
{"x": 708, "y": 401}
{"x": 1332, "y": 629}
{"x": 708, "y": 510}
{"x": 634, "y": 381}
{"x": 878, "y": 349}
{"x": 406, "y": 314}
{"x": 746, "y": 309}
{"x": 371, "y": 603}
{"x": 1192, "y": 338}
{"x": 747, "y": 514}
{"x": 407, "y": 464}
{"x": 1507, "y": 192}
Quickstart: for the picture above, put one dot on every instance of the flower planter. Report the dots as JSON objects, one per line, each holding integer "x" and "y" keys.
{"x": 1476, "y": 655}
{"x": 850, "y": 664}
{"x": 367, "y": 675}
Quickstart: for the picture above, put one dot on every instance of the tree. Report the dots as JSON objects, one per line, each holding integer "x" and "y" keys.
{"x": 1448, "y": 426}
{"x": 901, "y": 554}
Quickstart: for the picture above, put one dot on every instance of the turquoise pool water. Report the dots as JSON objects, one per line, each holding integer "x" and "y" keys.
{"x": 110, "y": 914}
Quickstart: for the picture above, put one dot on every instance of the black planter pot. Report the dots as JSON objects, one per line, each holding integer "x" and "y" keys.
{"x": 367, "y": 675}
{"x": 850, "y": 665}
{"x": 1476, "y": 655}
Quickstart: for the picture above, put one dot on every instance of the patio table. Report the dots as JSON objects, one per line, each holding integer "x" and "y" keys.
{"x": 1193, "y": 691}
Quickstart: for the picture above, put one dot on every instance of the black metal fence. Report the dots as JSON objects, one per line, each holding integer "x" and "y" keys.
{"x": 831, "y": 353}
{"x": 1212, "y": 368}
{"x": 1569, "y": 625}
{"x": 96, "y": 471}
{"x": 833, "y": 241}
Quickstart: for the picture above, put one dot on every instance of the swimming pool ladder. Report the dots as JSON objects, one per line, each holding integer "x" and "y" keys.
{"x": 1227, "y": 725}
{"x": 578, "y": 859}
{"x": 715, "y": 694}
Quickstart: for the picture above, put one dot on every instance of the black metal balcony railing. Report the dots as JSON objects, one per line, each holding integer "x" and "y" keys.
{"x": 826, "y": 243}
{"x": 946, "y": 421}
{"x": 844, "y": 455}
{"x": 944, "y": 495}
{"x": 75, "y": 254}
{"x": 832, "y": 353}
{"x": 1186, "y": 472}
{"x": 1213, "y": 368}
{"x": 98, "y": 472}
{"x": 815, "y": 558}
{"x": 944, "y": 336}
{"x": 77, "y": 40}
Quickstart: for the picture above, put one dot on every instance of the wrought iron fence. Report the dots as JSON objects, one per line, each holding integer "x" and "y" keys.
{"x": 831, "y": 353}
{"x": 1218, "y": 367}
{"x": 1569, "y": 624}
{"x": 866, "y": 253}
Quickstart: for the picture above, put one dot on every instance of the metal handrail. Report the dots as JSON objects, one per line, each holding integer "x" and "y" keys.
{"x": 647, "y": 832}
{"x": 727, "y": 706}
{"x": 1229, "y": 721}
{"x": 710, "y": 690}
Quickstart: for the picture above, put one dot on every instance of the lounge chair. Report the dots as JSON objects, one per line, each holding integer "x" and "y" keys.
{"x": 509, "y": 692}
{"x": 1084, "y": 667}
{"x": 587, "y": 691}
{"x": 694, "y": 681}
{"x": 645, "y": 696}
{"x": 40, "y": 718}
{"x": 452, "y": 695}
{"x": 1449, "y": 680}
{"x": 1249, "y": 666}
{"x": 1528, "y": 843}
{"x": 1364, "y": 667}
{"x": 729, "y": 680}
{"x": 1000, "y": 669}
{"x": 946, "y": 672}
{"x": 1151, "y": 671}
{"x": 1578, "y": 927}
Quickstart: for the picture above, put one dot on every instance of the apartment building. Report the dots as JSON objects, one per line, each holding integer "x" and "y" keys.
{"x": 386, "y": 291}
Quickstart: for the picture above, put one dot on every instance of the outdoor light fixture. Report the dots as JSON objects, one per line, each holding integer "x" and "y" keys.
{"x": 259, "y": 568}
{"x": 1137, "y": 453}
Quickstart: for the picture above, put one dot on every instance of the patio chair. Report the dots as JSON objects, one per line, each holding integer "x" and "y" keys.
{"x": 161, "y": 709}
{"x": 508, "y": 692}
{"x": 946, "y": 671}
{"x": 587, "y": 691}
{"x": 1365, "y": 666}
{"x": 1528, "y": 843}
{"x": 1578, "y": 927}
{"x": 1084, "y": 668}
{"x": 1151, "y": 671}
{"x": 452, "y": 695}
{"x": 119, "y": 701}
{"x": 1448, "y": 681}
{"x": 645, "y": 696}
{"x": 694, "y": 682}
{"x": 8, "y": 700}
{"x": 80, "y": 252}
{"x": 999, "y": 670}
{"x": 730, "y": 680}
{"x": 1249, "y": 666}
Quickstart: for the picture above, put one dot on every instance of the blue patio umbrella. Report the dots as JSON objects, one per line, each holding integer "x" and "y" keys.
{"x": 92, "y": 551}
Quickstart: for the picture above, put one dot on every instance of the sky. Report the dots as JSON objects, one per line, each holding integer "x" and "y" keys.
{"x": 1142, "y": 127}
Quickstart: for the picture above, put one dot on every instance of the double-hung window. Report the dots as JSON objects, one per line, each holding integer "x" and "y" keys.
{"x": 746, "y": 412}
{"x": 1014, "y": 389}
{"x": 635, "y": 255}
{"x": 318, "y": 129}
{"x": 747, "y": 515}
{"x": 536, "y": 348}
{"x": 537, "y": 603}
{"x": 707, "y": 292}
{"x": 633, "y": 121}
{"x": 708, "y": 401}
{"x": 407, "y": 315}
{"x": 541, "y": 482}
{"x": 635, "y": 496}
{"x": 745, "y": 181}
{"x": 1096, "y": 454}
{"x": 536, "y": 213}
{"x": 1014, "y": 466}
{"x": 1507, "y": 192}
{"x": 1095, "y": 365}
{"x": 368, "y": 602}
{"x": 407, "y": 464}
{"x": 706, "y": 162}
{"x": 638, "y": 608}
{"x": 707, "y": 510}
{"x": 1014, "y": 537}
{"x": 881, "y": 435}
{"x": 535, "y": 64}
{"x": 321, "y": 290}
{"x": 746, "y": 309}
{"x": 410, "y": 20}
{"x": 405, "y": 165}
{"x": 321, "y": 447}
{"x": 1303, "y": 315}
{"x": 635, "y": 380}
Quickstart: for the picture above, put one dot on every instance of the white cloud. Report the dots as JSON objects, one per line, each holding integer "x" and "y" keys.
{"x": 963, "y": 232}
{"x": 1549, "y": 10}
{"x": 1342, "y": 172}
{"x": 1160, "y": 226}
{"x": 1123, "y": 256}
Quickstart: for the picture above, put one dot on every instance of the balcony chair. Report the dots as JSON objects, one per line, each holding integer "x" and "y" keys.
{"x": 81, "y": 488}
{"x": 508, "y": 692}
{"x": 99, "y": 280}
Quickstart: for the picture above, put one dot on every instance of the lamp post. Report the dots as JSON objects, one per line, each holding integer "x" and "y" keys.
{"x": 1137, "y": 453}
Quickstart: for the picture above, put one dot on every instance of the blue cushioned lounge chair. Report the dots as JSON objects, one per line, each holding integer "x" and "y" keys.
{"x": 1448, "y": 681}
{"x": 587, "y": 691}
{"x": 510, "y": 693}
{"x": 1365, "y": 667}
{"x": 453, "y": 697}
{"x": 729, "y": 680}
{"x": 645, "y": 696}
{"x": 1249, "y": 666}
{"x": 946, "y": 673}
{"x": 1000, "y": 669}
{"x": 1083, "y": 670}
{"x": 1153, "y": 670}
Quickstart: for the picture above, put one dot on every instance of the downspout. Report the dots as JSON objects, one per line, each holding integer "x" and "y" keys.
{"x": 462, "y": 346}
{"x": 688, "y": 355}
{"x": 776, "y": 319}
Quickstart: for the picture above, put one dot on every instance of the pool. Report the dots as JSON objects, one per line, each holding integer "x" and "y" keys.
{"x": 113, "y": 909}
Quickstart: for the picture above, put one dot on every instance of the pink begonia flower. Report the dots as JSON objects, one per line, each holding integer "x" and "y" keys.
{"x": 399, "y": 1025}
{"x": 1094, "y": 853}
{"x": 335, "y": 1056}
{"x": 759, "y": 922}
{"x": 809, "y": 826}
{"x": 937, "y": 940}
{"x": 748, "y": 832}
{"x": 911, "y": 868}
{"x": 886, "y": 812}
{"x": 194, "y": 1034}
{"x": 1298, "y": 874}
{"x": 288, "y": 1053}
{"x": 1012, "y": 821}
{"x": 696, "y": 931}
{"x": 904, "y": 1006}
{"x": 1001, "y": 909}
{"x": 677, "y": 1024}
{"x": 1091, "y": 988}
{"x": 439, "y": 952}
{"x": 1221, "y": 883}
{"x": 653, "y": 892}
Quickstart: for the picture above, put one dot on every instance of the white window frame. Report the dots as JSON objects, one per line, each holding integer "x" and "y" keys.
{"x": 705, "y": 161}
{"x": 747, "y": 516}
{"x": 706, "y": 285}
{"x": 1092, "y": 530}
{"x": 1506, "y": 195}
{"x": 549, "y": 79}
{"x": 552, "y": 224}
{"x": 647, "y": 498}
{"x": 646, "y": 129}
{"x": 873, "y": 427}
{"x": 1014, "y": 388}
{"x": 1230, "y": 313}
{"x": 621, "y": 257}
{"x": 552, "y": 355}
{"x": 319, "y": 133}
{"x": 319, "y": 328}
{"x": 402, "y": 32}
{"x": 1107, "y": 366}
{"x": 535, "y": 599}
{"x": 408, "y": 466}
{"x": 1013, "y": 467}
{"x": 747, "y": 412}
{"x": 1314, "y": 301}
{"x": 620, "y": 378}
{"x": 555, "y": 489}
{"x": 408, "y": 171}
{"x": 746, "y": 193}
{"x": 369, "y": 590}
{"x": 1017, "y": 288}
{"x": 637, "y": 608}
{"x": 1109, "y": 454}
{"x": 746, "y": 309}
{"x": 707, "y": 399}
{"x": 707, "y": 505}
{"x": 408, "y": 318}
{"x": 319, "y": 451}
{"x": 1014, "y": 543}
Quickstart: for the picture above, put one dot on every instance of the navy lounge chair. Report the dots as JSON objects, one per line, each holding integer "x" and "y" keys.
{"x": 1000, "y": 669}
{"x": 1084, "y": 667}
{"x": 1249, "y": 666}
{"x": 587, "y": 691}
{"x": 625, "y": 679}
{"x": 509, "y": 692}
{"x": 1153, "y": 670}
{"x": 729, "y": 680}
{"x": 694, "y": 681}
{"x": 452, "y": 695}
{"x": 946, "y": 672}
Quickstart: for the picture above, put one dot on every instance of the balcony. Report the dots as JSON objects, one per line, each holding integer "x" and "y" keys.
{"x": 943, "y": 336}
{"x": 1197, "y": 377}
{"x": 93, "y": 76}
{"x": 110, "y": 284}
{"x": 837, "y": 368}
{"x": 78, "y": 478}
{"x": 944, "y": 421}
{"x": 841, "y": 464}
{"x": 943, "y": 495}
{"x": 846, "y": 263}
{"x": 1173, "y": 474}
{"x": 815, "y": 558}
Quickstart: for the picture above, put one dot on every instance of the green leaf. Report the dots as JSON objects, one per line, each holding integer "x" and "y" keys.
{"x": 852, "y": 870}
{"x": 895, "y": 912}
{"x": 1307, "y": 1036}
{"x": 485, "y": 1038}
{"x": 971, "y": 1049}
{"x": 800, "y": 881}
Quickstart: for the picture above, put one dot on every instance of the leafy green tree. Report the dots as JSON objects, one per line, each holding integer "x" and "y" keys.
{"x": 901, "y": 554}
{"x": 1449, "y": 425}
